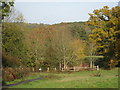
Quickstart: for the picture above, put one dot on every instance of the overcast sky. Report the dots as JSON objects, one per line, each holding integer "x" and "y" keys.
{"x": 56, "y": 12}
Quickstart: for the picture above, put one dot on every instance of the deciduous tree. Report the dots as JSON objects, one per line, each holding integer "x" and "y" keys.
{"x": 106, "y": 32}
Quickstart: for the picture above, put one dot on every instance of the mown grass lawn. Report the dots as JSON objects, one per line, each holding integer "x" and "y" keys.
{"x": 81, "y": 79}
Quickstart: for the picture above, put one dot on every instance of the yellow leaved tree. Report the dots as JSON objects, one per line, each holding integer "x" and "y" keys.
{"x": 106, "y": 32}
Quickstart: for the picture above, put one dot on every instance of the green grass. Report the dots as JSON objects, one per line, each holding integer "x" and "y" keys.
{"x": 81, "y": 79}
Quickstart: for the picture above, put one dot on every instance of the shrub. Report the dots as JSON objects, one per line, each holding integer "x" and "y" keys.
{"x": 14, "y": 73}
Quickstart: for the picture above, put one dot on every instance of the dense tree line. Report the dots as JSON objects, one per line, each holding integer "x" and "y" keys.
{"x": 54, "y": 47}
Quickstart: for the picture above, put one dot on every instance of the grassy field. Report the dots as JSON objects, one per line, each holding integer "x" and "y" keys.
{"x": 81, "y": 79}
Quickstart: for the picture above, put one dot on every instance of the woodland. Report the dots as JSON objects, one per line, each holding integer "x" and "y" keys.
{"x": 26, "y": 47}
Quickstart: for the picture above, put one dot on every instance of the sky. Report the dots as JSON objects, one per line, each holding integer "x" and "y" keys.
{"x": 57, "y": 12}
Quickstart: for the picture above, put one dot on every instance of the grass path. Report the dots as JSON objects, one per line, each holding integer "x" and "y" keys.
{"x": 81, "y": 79}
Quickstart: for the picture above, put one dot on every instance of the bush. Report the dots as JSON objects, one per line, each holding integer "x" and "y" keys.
{"x": 14, "y": 73}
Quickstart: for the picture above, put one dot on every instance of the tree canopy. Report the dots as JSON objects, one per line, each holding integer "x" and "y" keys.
{"x": 106, "y": 33}
{"x": 5, "y": 8}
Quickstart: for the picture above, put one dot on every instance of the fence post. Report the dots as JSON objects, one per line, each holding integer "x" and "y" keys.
{"x": 55, "y": 68}
{"x": 48, "y": 69}
{"x": 97, "y": 67}
{"x": 74, "y": 68}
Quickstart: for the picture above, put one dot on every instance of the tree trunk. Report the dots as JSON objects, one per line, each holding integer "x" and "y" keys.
{"x": 64, "y": 64}
{"x": 33, "y": 69}
{"x": 60, "y": 66}
{"x": 91, "y": 64}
